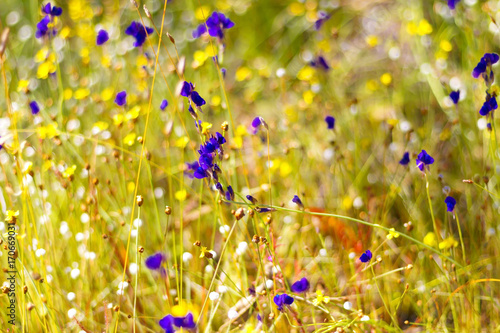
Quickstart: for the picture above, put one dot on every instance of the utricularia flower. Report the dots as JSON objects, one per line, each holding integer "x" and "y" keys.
{"x": 296, "y": 200}
{"x": 406, "y": 159}
{"x": 216, "y": 24}
{"x": 257, "y": 123}
{"x": 121, "y": 98}
{"x": 330, "y": 122}
{"x": 320, "y": 62}
{"x": 139, "y": 32}
{"x": 424, "y": 160}
{"x": 300, "y": 286}
{"x": 102, "y": 37}
{"x": 450, "y": 203}
{"x": 366, "y": 257}
{"x": 320, "y": 298}
{"x": 163, "y": 104}
{"x": 34, "y": 107}
{"x": 154, "y": 261}
{"x": 189, "y": 92}
{"x": 251, "y": 199}
{"x": 455, "y": 96}
{"x": 482, "y": 66}
{"x": 282, "y": 300}
{"x": 169, "y": 322}
{"x": 489, "y": 105}
{"x": 42, "y": 27}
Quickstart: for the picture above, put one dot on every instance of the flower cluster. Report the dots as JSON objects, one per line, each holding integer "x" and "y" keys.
{"x": 205, "y": 166}
{"x": 216, "y": 24}
{"x": 42, "y": 27}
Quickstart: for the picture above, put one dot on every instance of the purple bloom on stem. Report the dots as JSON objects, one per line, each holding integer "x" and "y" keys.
{"x": 450, "y": 203}
{"x": 455, "y": 96}
{"x": 163, "y": 104}
{"x": 423, "y": 160}
{"x": 300, "y": 286}
{"x": 197, "y": 99}
{"x": 216, "y": 24}
{"x": 297, "y": 201}
{"x": 258, "y": 122}
{"x": 488, "y": 106}
{"x": 42, "y": 27}
{"x": 487, "y": 60}
{"x": 34, "y": 107}
{"x": 139, "y": 32}
{"x": 154, "y": 261}
{"x": 121, "y": 98}
{"x": 330, "y": 122}
{"x": 102, "y": 37}
{"x": 282, "y": 300}
{"x": 229, "y": 193}
{"x": 367, "y": 256}
{"x": 187, "y": 88}
{"x": 323, "y": 17}
{"x": 251, "y": 199}
{"x": 53, "y": 11}
{"x": 406, "y": 159}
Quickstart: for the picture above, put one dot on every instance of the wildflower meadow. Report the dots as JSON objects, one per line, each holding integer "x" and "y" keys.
{"x": 249, "y": 166}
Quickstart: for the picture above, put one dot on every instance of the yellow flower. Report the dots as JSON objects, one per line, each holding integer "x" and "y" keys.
{"x": 320, "y": 298}
{"x": 243, "y": 73}
{"x": 118, "y": 119}
{"x": 372, "y": 40}
{"x": 205, "y": 127}
{"x": 448, "y": 243}
{"x": 12, "y": 216}
{"x": 392, "y": 234}
{"x": 386, "y": 79}
{"x": 28, "y": 167}
{"x": 306, "y": 73}
{"x": 182, "y": 142}
{"x": 181, "y": 195}
{"x": 69, "y": 172}
{"x": 22, "y": 85}
{"x": 430, "y": 239}
{"x": 129, "y": 139}
{"x": 48, "y": 132}
{"x": 101, "y": 125}
{"x": 82, "y": 93}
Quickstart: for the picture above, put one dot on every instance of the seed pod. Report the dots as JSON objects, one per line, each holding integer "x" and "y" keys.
{"x": 168, "y": 210}
{"x": 140, "y": 200}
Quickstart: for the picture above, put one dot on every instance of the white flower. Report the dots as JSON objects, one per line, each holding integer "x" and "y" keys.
{"x": 232, "y": 313}
{"x": 72, "y": 313}
{"x": 71, "y": 296}
{"x": 214, "y": 296}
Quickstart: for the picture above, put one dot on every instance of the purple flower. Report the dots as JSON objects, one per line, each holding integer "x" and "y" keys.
{"x": 297, "y": 201}
{"x": 367, "y": 256}
{"x": 189, "y": 92}
{"x": 323, "y": 17}
{"x": 455, "y": 96}
{"x": 489, "y": 105}
{"x": 34, "y": 107}
{"x": 406, "y": 159}
{"x": 487, "y": 60}
{"x": 229, "y": 193}
{"x": 154, "y": 261}
{"x": 251, "y": 199}
{"x": 330, "y": 122}
{"x": 282, "y": 300}
{"x": 216, "y": 24}
{"x": 102, "y": 37}
{"x": 450, "y": 203}
{"x": 139, "y": 32}
{"x": 257, "y": 122}
{"x": 320, "y": 62}
{"x": 53, "y": 11}
{"x": 163, "y": 104}
{"x": 169, "y": 322}
{"x": 42, "y": 27}
{"x": 121, "y": 98}
{"x": 423, "y": 160}
{"x": 300, "y": 286}
{"x": 452, "y": 3}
